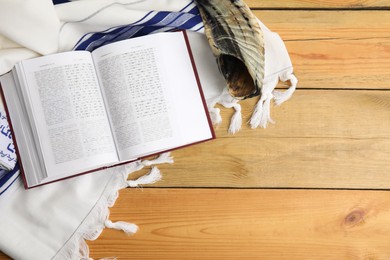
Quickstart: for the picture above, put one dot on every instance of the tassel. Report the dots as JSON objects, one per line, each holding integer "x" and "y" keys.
{"x": 83, "y": 250}
{"x": 229, "y": 102}
{"x": 106, "y": 258}
{"x": 152, "y": 177}
{"x": 162, "y": 158}
{"x": 133, "y": 167}
{"x": 215, "y": 115}
{"x": 262, "y": 113}
{"x": 282, "y": 96}
{"x": 236, "y": 121}
{"x": 128, "y": 228}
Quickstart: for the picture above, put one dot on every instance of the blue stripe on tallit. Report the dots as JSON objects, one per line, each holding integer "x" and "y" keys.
{"x": 8, "y": 179}
{"x": 194, "y": 11}
{"x": 56, "y": 2}
{"x": 9, "y": 184}
{"x": 190, "y": 3}
{"x": 107, "y": 30}
{"x": 152, "y": 22}
{"x": 101, "y": 38}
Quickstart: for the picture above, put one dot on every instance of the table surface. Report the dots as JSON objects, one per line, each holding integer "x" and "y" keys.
{"x": 312, "y": 186}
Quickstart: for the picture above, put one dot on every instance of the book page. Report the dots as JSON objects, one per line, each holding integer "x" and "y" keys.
{"x": 68, "y": 113}
{"x": 152, "y": 95}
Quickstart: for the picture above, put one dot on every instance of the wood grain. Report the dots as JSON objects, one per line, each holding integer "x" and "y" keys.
{"x": 335, "y": 49}
{"x": 249, "y": 224}
{"x": 333, "y": 133}
{"x": 321, "y": 139}
{"x": 333, "y": 139}
{"x": 335, "y": 4}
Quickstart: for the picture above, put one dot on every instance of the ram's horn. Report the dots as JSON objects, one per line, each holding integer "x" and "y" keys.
{"x": 237, "y": 42}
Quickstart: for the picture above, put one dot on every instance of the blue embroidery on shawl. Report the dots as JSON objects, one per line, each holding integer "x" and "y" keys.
{"x": 152, "y": 22}
{"x": 8, "y": 179}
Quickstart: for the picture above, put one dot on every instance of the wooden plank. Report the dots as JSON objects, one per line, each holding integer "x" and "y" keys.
{"x": 321, "y": 139}
{"x": 320, "y": 25}
{"x": 335, "y": 49}
{"x": 352, "y": 4}
{"x": 249, "y": 224}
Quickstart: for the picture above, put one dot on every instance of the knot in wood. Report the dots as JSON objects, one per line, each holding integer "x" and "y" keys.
{"x": 354, "y": 218}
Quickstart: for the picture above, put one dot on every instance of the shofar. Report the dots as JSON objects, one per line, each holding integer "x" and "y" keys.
{"x": 237, "y": 42}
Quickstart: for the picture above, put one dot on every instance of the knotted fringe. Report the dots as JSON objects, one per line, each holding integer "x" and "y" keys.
{"x": 163, "y": 158}
{"x": 236, "y": 120}
{"x": 215, "y": 113}
{"x": 106, "y": 258}
{"x": 128, "y": 228}
{"x": 76, "y": 247}
{"x": 279, "y": 96}
{"x": 228, "y": 102}
{"x": 152, "y": 177}
{"x": 261, "y": 115}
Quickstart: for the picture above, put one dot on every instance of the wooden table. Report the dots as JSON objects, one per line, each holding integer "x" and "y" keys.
{"x": 312, "y": 186}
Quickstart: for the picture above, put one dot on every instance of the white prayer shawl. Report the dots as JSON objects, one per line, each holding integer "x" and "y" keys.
{"x": 53, "y": 221}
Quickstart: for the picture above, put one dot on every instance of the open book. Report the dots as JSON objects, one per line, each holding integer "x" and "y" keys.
{"x": 76, "y": 112}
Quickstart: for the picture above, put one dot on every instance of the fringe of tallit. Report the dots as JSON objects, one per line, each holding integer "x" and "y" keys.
{"x": 261, "y": 115}
{"x": 226, "y": 100}
{"x": 98, "y": 219}
{"x": 280, "y": 97}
